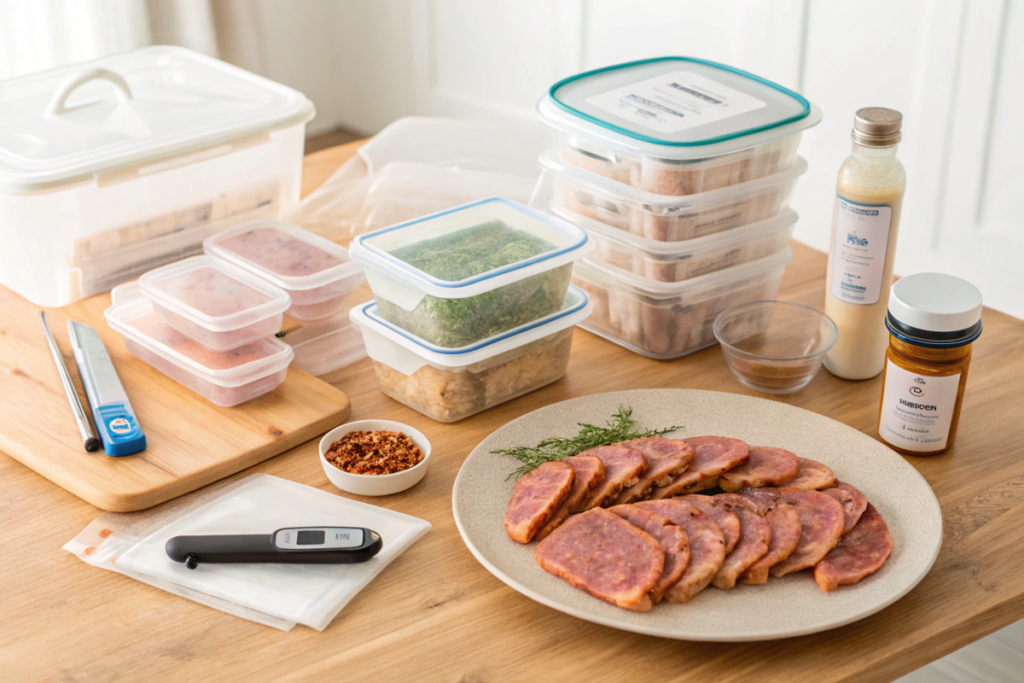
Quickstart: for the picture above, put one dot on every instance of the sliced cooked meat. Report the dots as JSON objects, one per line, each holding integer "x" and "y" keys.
{"x": 622, "y": 469}
{"x": 859, "y": 553}
{"x": 812, "y": 476}
{"x": 666, "y": 460}
{"x": 766, "y": 467}
{"x": 712, "y": 456}
{"x": 853, "y": 501}
{"x": 785, "y": 528}
{"x": 707, "y": 547}
{"x": 589, "y": 472}
{"x": 821, "y": 526}
{"x": 764, "y": 498}
{"x": 535, "y": 498}
{"x": 672, "y": 538}
{"x": 755, "y": 537}
{"x": 702, "y": 485}
{"x": 606, "y": 556}
{"x": 721, "y": 514}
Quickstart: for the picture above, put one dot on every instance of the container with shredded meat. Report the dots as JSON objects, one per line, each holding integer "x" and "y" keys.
{"x": 374, "y": 453}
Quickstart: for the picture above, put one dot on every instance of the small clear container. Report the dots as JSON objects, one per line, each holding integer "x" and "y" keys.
{"x": 225, "y": 378}
{"x": 675, "y": 125}
{"x": 678, "y": 261}
{"x": 219, "y": 305}
{"x": 469, "y": 273}
{"x": 316, "y": 273}
{"x": 451, "y": 384}
{"x": 662, "y": 218}
{"x": 666, "y": 320}
{"x": 774, "y": 346}
{"x": 323, "y": 346}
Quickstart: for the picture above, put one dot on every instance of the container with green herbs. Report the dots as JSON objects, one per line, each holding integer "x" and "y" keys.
{"x": 459, "y": 276}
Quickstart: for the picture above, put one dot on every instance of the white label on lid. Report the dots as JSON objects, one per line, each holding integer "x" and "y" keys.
{"x": 675, "y": 101}
{"x": 860, "y": 244}
{"x": 917, "y": 410}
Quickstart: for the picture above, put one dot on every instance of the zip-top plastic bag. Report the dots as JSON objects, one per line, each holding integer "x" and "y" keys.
{"x": 278, "y": 595}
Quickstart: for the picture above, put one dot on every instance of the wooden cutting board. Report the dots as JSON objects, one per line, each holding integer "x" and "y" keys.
{"x": 191, "y": 442}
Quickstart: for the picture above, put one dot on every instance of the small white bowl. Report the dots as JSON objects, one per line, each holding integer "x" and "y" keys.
{"x": 375, "y": 484}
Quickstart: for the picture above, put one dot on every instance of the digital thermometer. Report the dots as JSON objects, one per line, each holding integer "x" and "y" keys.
{"x": 113, "y": 414}
{"x": 294, "y": 545}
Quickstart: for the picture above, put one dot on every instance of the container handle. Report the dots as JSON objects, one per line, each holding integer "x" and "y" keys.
{"x": 58, "y": 103}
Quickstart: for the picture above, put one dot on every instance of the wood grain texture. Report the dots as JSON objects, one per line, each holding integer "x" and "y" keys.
{"x": 190, "y": 441}
{"x": 437, "y": 615}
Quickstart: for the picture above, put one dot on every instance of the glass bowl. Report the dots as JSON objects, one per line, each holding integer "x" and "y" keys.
{"x": 774, "y": 346}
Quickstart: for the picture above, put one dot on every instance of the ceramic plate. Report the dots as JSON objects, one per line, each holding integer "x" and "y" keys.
{"x": 790, "y": 606}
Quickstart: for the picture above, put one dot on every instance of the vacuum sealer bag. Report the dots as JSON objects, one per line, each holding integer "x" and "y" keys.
{"x": 278, "y": 595}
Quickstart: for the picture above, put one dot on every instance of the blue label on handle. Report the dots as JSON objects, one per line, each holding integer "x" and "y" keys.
{"x": 119, "y": 429}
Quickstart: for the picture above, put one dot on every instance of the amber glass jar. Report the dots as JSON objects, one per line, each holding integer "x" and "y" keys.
{"x": 933, "y": 319}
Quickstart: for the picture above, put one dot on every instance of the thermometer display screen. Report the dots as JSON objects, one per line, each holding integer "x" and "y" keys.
{"x": 310, "y": 537}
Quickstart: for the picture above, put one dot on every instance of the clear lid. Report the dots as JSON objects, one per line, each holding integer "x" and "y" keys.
{"x": 667, "y": 205}
{"x": 471, "y": 249}
{"x": 64, "y": 124}
{"x": 135, "y": 318}
{"x": 213, "y": 294}
{"x": 288, "y": 256}
{"x": 657, "y": 250}
{"x": 676, "y": 108}
{"x": 606, "y": 275}
{"x": 576, "y": 309}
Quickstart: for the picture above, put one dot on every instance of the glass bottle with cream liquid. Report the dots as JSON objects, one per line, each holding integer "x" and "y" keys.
{"x": 869, "y": 197}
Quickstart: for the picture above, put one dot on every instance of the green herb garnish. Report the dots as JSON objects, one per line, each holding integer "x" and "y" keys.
{"x": 622, "y": 427}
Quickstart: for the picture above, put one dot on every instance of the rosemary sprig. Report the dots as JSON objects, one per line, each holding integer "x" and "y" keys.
{"x": 621, "y": 427}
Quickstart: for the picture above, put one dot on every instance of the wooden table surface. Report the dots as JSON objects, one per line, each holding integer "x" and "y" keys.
{"x": 436, "y": 614}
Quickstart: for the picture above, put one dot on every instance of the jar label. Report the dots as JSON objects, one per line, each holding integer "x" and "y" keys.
{"x": 675, "y": 101}
{"x": 917, "y": 410}
{"x": 860, "y": 243}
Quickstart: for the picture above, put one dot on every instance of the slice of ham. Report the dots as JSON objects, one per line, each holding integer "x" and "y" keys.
{"x": 707, "y": 547}
{"x": 673, "y": 540}
{"x": 860, "y": 553}
{"x": 721, "y": 514}
{"x": 853, "y": 501}
{"x": 784, "y": 522}
{"x": 589, "y": 471}
{"x": 821, "y": 526}
{"x": 812, "y": 476}
{"x": 606, "y": 556}
{"x": 622, "y": 469}
{"x": 766, "y": 467}
{"x": 702, "y": 485}
{"x": 666, "y": 460}
{"x": 712, "y": 456}
{"x": 535, "y": 498}
{"x": 755, "y": 538}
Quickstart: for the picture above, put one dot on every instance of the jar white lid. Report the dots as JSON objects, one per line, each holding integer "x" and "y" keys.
{"x": 935, "y": 302}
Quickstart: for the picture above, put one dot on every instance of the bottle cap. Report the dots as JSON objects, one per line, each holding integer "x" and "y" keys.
{"x": 935, "y": 310}
{"x": 877, "y": 127}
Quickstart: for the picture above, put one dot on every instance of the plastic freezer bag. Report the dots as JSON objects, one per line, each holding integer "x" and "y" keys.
{"x": 305, "y": 594}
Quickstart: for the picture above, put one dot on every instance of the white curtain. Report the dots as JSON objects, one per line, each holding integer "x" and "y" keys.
{"x": 41, "y": 34}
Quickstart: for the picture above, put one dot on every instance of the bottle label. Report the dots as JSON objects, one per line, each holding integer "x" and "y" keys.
{"x": 858, "y": 255}
{"x": 675, "y": 101}
{"x": 917, "y": 410}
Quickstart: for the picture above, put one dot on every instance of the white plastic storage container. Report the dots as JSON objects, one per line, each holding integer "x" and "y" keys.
{"x": 671, "y": 319}
{"x": 325, "y": 345}
{"x": 116, "y": 166}
{"x": 451, "y": 384}
{"x": 676, "y": 125}
{"x": 469, "y": 273}
{"x": 225, "y": 378}
{"x": 215, "y": 303}
{"x": 656, "y": 217}
{"x": 316, "y": 273}
{"x": 678, "y": 261}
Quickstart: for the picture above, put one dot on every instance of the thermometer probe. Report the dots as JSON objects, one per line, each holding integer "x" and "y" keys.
{"x": 293, "y": 545}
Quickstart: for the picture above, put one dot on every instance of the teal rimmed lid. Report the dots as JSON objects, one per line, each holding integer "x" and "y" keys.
{"x": 676, "y": 107}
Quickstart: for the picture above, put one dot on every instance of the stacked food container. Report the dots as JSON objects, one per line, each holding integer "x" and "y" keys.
{"x": 473, "y": 305}
{"x": 681, "y": 171}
